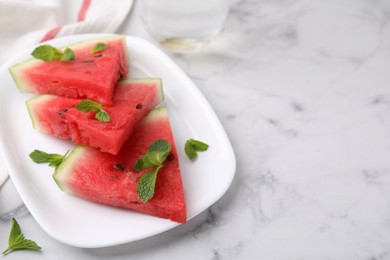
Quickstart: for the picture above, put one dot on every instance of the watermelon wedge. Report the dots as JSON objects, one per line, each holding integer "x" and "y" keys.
{"x": 111, "y": 179}
{"x": 90, "y": 75}
{"x": 132, "y": 100}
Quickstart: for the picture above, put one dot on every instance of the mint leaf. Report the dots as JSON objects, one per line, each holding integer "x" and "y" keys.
{"x": 102, "y": 116}
{"x": 50, "y": 53}
{"x": 68, "y": 55}
{"x": 88, "y": 105}
{"x": 52, "y": 158}
{"x": 99, "y": 47}
{"x": 146, "y": 185}
{"x": 153, "y": 160}
{"x": 190, "y": 151}
{"x": 155, "y": 155}
{"x": 143, "y": 163}
{"x": 198, "y": 145}
{"x": 46, "y": 53}
{"x": 17, "y": 241}
{"x": 192, "y": 146}
{"x": 15, "y": 231}
{"x": 158, "y": 151}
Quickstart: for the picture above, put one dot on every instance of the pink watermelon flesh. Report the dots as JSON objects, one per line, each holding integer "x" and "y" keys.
{"x": 132, "y": 100}
{"x": 111, "y": 179}
{"x": 90, "y": 75}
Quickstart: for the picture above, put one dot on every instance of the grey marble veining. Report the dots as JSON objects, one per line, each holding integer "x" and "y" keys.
{"x": 303, "y": 91}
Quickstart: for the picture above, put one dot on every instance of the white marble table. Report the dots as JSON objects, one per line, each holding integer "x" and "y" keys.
{"x": 303, "y": 90}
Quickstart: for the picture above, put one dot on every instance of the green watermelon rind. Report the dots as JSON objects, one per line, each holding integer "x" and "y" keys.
{"x": 17, "y": 74}
{"x": 154, "y": 115}
{"x": 63, "y": 171}
{"x": 157, "y": 80}
{"x": 34, "y": 102}
{"x": 22, "y": 82}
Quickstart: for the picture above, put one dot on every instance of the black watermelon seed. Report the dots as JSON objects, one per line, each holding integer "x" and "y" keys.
{"x": 98, "y": 55}
{"x": 170, "y": 157}
{"x": 139, "y": 106}
{"x": 87, "y": 61}
{"x": 119, "y": 167}
{"x": 62, "y": 111}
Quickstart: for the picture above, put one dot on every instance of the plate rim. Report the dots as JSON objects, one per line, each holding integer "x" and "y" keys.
{"x": 76, "y": 38}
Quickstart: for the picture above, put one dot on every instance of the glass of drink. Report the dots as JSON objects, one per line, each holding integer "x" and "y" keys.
{"x": 183, "y": 26}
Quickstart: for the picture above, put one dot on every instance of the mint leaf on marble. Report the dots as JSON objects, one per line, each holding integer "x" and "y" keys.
{"x": 17, "y": 241}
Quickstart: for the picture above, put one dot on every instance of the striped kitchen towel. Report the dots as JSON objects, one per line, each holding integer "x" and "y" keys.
{"x": 24, "y": 23}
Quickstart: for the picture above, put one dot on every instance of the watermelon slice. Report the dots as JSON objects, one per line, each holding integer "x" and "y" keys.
{"x": 132, "y": 100}
{"x": 111, "y": 179}
{"x": 90, "y": 75}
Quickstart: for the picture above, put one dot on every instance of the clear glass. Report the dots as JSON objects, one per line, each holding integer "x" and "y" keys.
{"x": 184, "y": 25}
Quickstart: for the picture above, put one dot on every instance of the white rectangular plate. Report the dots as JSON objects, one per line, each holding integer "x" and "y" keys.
{"x": 82, "y": 223}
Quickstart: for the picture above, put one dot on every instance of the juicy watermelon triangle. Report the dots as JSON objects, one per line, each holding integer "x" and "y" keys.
{"x": 90, "y": 75}
{"x": 132, "y": 100}
{"x": 112, "y": 180}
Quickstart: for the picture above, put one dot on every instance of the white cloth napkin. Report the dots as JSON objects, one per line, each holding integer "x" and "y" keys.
{"x": 3, "y": 172}
{"x": 24, "y": 23}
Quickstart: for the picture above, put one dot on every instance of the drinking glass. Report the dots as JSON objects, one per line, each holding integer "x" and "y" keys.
{"x": 183, "y": 26}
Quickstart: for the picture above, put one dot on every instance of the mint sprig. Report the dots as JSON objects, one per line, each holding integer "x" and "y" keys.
{"x": 67, "y": 55}
{"x": 153, "y": 160}
{"x": 50, "y": 53}
{"x": 192, "y": 147}
{"x": 17, "y": 241}
{"x": 99, "y": 47}
{"x": 53, "y": 159}
{"x": 88, "y": 105}
{"x": 155, "y": 155}
{"x": 146, "y": 184}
